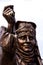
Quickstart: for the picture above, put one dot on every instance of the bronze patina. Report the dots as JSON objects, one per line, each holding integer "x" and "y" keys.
{"x": 27, "y": 48}
{"x": 18, "y": 41}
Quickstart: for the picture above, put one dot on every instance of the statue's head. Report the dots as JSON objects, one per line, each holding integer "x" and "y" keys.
{"x": 26, "y": 34}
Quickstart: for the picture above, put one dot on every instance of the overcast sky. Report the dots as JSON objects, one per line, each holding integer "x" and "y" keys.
{"x": 28, "y": 10}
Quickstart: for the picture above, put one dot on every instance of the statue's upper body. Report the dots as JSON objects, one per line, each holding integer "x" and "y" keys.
{"x": 22, "y": 48}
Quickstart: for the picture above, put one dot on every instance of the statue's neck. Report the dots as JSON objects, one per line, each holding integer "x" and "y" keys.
{"x": 22, "y": 56}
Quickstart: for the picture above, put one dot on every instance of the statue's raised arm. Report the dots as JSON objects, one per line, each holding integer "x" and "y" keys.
{"x": 9, "y": 15}
{"x": 7, "y": 39}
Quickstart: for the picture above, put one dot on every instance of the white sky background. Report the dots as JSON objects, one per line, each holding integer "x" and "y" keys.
{"x": 28, "y": 10}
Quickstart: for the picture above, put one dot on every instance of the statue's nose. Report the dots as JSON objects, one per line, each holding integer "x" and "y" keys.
{"x": 27, "y": 39}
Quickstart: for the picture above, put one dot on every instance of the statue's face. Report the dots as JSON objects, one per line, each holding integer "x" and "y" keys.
{"x": 26, "y": 40}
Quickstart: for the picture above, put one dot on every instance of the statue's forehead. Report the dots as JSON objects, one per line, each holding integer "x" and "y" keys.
{"x": 22, "y": 35}
{"x": 26, "y": 33}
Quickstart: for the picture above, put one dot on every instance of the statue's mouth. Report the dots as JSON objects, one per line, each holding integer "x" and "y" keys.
{"x": 25, "y": 44}
{"x": 27, "y": 47}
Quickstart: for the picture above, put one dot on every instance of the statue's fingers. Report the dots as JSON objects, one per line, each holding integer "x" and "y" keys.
{"x": 7, "y": 9}
{"x": 9, "y": 6}
{"x": 8, "y": 12}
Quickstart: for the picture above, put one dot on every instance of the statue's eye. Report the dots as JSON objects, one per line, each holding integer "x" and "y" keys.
{"x": 22, "y": 37}
{"x": 31, "y": 38}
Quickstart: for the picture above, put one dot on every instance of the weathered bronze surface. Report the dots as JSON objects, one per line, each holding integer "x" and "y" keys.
{"x": 27, "y": 48}
{"x": 18, "y": 41}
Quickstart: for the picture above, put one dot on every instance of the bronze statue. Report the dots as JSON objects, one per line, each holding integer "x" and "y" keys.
{"x": 18, "y": 41}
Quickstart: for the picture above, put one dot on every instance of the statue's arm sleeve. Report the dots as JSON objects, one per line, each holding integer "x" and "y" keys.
{"x": 6, "y": 40}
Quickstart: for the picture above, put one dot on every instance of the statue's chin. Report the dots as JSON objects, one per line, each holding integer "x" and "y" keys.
{"x": 26, "y": 49}
{"x": 23, "y": 51}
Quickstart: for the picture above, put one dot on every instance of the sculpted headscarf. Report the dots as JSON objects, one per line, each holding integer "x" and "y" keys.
{"x": 23, "y": 26}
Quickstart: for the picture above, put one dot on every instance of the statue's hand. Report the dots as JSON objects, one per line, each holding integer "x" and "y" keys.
{"x": 9, "y": 14}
